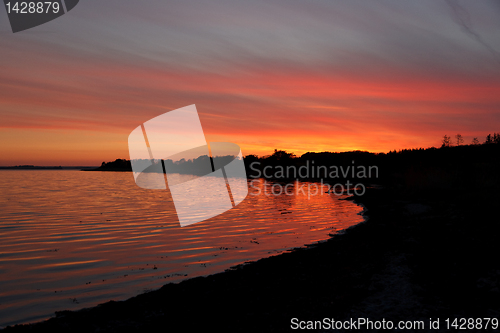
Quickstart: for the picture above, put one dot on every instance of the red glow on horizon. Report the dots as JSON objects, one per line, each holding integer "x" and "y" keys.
{"x": 62, "y": 121}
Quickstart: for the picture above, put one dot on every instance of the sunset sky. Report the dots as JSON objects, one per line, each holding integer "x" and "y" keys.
{"x": 294, "y": 75}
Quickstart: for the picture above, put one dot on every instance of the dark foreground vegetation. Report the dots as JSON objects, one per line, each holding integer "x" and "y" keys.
{"x": 428, "y": 250}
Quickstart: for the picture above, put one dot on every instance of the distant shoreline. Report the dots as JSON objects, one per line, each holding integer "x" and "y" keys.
{"x": 34, "y": 167}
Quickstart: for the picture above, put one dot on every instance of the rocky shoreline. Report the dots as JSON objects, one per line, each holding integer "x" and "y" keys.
{"x": 419, "y": 256}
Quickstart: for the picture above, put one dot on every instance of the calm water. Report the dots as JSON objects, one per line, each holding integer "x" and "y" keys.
{"x": 73, "y": 239}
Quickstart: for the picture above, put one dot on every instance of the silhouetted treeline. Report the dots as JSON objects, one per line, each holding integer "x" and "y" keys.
{"x": 459, "y": 140}
{"x": 464, "y": 166}
{"x": 116, "y": 165}
{"x": 198, "y": 166}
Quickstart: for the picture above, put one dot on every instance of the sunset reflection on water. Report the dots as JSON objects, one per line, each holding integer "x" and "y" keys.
{"x": 72, "y": 239}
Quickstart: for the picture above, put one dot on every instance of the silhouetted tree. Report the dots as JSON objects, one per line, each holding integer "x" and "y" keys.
{"x": 282, "y": 155}
{"x": 459, "y": 139}
{"x": 446, "y": 141}
{"x": 496, "y": 137}
{"x": 488, "y": 139}
{"x": 475, "y": 141}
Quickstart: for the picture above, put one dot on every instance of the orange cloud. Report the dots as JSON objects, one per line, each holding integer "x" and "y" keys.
{"x": 56, "y": 113}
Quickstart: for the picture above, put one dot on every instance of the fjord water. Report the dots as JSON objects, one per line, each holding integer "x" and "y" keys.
{"x": 72, "y": 239}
